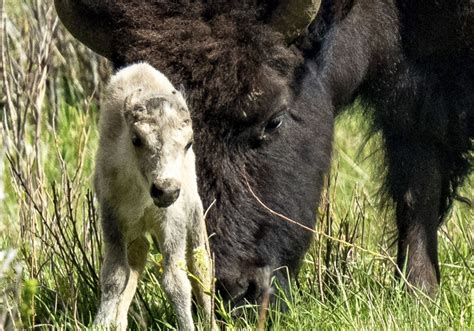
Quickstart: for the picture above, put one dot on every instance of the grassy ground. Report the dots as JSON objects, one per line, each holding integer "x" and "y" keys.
{"x": 50, "y": 244}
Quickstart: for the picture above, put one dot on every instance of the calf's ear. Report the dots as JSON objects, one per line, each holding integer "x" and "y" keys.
{"x": 133, "y": 110}
{"x": 182, "y": 91}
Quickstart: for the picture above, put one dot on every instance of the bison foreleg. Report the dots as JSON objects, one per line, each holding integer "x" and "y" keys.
{"x": 416, "y": 183}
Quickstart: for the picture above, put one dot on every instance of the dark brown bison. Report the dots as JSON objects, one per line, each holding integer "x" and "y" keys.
{"x": 265, "y": 80}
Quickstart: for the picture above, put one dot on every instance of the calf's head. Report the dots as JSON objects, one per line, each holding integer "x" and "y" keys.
{"x": 157, "y": 133}
{"x": 160, "y": 132}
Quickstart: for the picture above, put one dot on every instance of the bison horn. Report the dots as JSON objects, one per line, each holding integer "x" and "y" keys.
{"x": 87, "y": 21}
{"x": 292, "y": 17}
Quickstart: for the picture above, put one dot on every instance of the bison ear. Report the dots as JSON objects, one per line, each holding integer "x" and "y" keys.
{"x": 90, "y": 22}
{"x": 292, "y": 17}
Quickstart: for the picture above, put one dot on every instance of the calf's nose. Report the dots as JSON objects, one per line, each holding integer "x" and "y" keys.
{"x": 164, "y": 192}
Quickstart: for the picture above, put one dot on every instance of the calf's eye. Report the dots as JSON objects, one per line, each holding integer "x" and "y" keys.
{"x": 188, "y": 146}
{"x": 136, "y": 141}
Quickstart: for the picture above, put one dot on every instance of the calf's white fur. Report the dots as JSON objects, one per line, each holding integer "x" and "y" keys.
{"x": 145, "y": 181}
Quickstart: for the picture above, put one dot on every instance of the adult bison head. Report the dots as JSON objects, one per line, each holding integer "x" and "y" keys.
{"x": 262, "y": 124}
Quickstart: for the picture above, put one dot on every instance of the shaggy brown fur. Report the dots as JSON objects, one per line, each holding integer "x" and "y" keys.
{"x": 205, "y": 47}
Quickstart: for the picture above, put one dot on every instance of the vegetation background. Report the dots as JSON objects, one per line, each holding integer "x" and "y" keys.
{"x": 50, "y": 247}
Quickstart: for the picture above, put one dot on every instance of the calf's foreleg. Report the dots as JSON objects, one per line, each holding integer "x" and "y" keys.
{"x": 123, "y": 263}
{"x": 175, "y": 282}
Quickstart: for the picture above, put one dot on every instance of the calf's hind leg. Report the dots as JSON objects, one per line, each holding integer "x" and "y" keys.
{"x": 418, "y": 187}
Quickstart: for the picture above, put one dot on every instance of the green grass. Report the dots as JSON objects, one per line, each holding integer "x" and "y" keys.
{"x": 48, "y": 215}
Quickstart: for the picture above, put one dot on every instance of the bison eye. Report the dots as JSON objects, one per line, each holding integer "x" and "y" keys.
{"x": 188, "y": 146}
{"x": 136, "y": 141}
{"x": 274, "y": 123}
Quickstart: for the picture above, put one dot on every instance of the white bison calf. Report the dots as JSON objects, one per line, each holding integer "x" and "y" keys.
{"x": 145, "y": 181}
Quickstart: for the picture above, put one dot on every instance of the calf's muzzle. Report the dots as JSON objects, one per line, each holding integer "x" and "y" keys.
{"x": 164, "y": 192}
